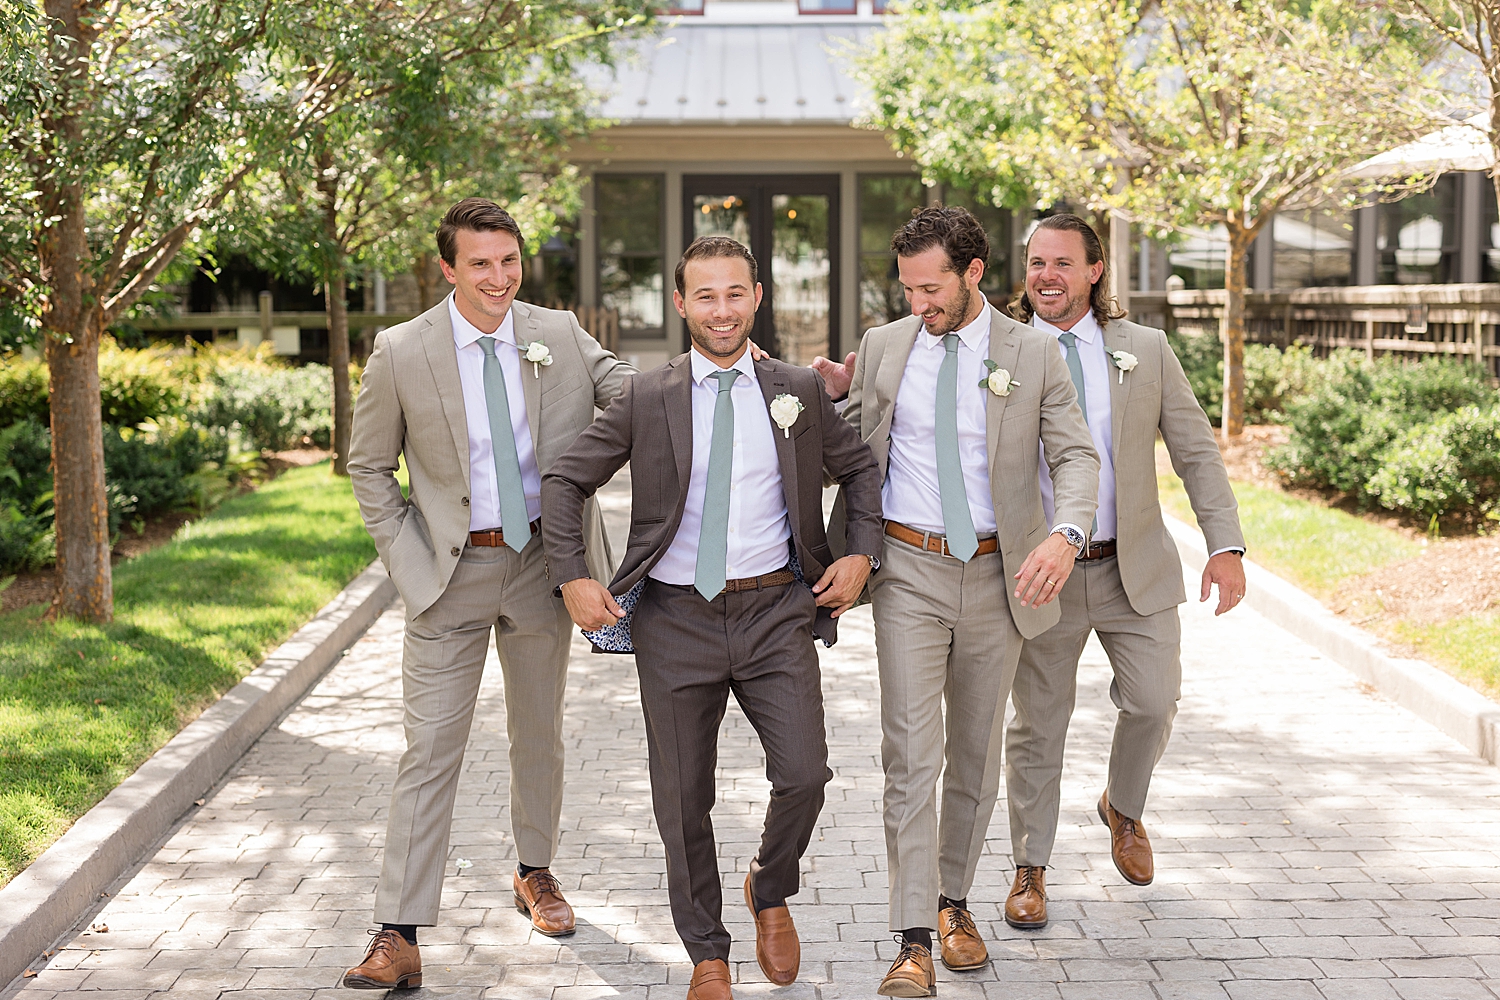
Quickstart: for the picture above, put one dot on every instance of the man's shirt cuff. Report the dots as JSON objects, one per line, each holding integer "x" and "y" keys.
{"x": 1227, "y": 548}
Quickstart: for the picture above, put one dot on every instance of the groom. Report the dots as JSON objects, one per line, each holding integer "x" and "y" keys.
{"x": 728, "y": 456}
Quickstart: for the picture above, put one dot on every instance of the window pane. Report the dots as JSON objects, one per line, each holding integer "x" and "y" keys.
{"x": 629, "y": 211}
{"x": 880, "y": 298}
{"x": 721, "y": 215}
{"x": 633, "y": 285}
{"x": 885, "y": 203}
{"x": 1416, "y": 237}
{"x": 800, "y": 265}
{"x": 551, "y": 277}
{"x": 1491, "y": 236}
{"x": 1312, "y": 248}
{"x": 996, "y": 222}
{"x": 826, "y": 6}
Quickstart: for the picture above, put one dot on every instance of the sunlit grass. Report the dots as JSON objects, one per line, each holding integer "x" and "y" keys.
{"x": 82, "y": 706}
{"x": 1469, "y": 647}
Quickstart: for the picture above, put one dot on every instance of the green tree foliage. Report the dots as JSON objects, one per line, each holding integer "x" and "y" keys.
{"x": 1179, "y": 114}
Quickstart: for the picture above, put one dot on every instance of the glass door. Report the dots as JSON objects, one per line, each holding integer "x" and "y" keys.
{"x": 791, "y": 225}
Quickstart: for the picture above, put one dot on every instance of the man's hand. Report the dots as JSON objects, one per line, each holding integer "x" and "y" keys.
{"x": 842, "y": 583}
{"x": 590, "y": 604}
{"x": 1045, "y": 571}
{"x": 756, "y": 354}
{"x": 1227, "y": 569}
{"x": 836, "y": 377}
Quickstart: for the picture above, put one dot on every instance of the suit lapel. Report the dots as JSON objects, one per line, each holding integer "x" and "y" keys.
{"x": 893, "y": 366}
{"x": 1005, "y": 351}
{"x": 678, "y": 392}
{"x": 1116, "y": 338}
{"x": 442, "y": 358}
{"x": 526, "y": 332}
{"x": 772, "y": 384}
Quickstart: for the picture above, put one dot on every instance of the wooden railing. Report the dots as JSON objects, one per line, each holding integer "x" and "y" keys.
{"x": 1411, "y": 320}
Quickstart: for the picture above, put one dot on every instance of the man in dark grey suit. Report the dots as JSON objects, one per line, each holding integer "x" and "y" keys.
{"x": 728, "y": 457}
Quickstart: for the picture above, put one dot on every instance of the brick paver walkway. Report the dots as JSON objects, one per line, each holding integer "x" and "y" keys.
{"x": 1312, "y": 841}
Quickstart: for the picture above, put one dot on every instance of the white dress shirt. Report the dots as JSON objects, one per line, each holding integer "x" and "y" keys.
{"x": 910, "y": 494}
{"x": 758, "y": 527}
{"x": 1096, "y": 368}
{"x": 484, "y": 489}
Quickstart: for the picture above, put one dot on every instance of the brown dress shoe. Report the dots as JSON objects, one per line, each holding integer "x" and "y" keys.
{"x": 911, "y": 974}
{"x": 776, "y": 946}
{"x": 1128, "y": 844}
{"x": 390, "y": 964}
{"x": 539, "y": 896}
{"x": 710, "y": 981}
{"x": 1026, "y": 906}
{"x": 962, "y": 948}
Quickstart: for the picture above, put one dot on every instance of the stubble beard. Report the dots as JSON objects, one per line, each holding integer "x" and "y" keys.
{"x": 710, "y": 345}
{"x": 956, "y": 316}
{"x": 1069, "y": 306}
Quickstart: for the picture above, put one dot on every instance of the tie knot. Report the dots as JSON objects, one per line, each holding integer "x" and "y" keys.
{"x": 1069, "y": 340}
{"x": 726, "y": 377}
{"x": 950, "y": 343}
{"x": 487, "y": 345}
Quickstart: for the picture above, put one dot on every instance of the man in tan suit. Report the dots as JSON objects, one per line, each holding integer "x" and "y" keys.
{"x": 1130, "y": 579}
{"x": 728, "y": 456}
{"x": 953, "y": 401}
{"x": 479, "y": 395}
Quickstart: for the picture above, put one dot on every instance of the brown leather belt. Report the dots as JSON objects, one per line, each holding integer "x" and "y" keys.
{"x": 1099, "y": 550}
{"x": 780, "y": 578}
{"x": 496, "y": 537}
{"x": 935, "y": 543}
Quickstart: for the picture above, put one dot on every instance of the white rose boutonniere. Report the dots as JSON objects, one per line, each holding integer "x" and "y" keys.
{"x": 997, "y": 380}
{"x": 784, "y": 410}
{"x": 538, "y": 354}
{"x": 1124, "y": 361}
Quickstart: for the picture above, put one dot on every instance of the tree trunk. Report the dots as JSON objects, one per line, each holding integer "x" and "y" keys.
{"x": 421, "y": 269}
{"x": 1233, "y": 420}
{"x": 335, "y": 291}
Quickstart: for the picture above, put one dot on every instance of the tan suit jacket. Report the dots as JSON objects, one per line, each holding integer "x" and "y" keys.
{"x": 411, "y": 405}
{"x": 1043, "y": 406}
{"x": 1155, "y": 397}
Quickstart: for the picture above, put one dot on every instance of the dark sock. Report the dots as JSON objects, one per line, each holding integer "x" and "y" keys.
{"x": 761, "y": 904}
{"x": 527, "y": 869}
{"x": 918, "y": 935}
{"x": 944, "y": 902}
{"x": 408, "y": 931}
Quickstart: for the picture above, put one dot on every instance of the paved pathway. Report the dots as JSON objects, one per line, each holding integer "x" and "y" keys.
{"x": 1312, "y": 841}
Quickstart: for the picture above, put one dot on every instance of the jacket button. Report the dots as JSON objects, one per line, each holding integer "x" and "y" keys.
{"x": 465, "y": 501}
{"x": 453, "y": 551}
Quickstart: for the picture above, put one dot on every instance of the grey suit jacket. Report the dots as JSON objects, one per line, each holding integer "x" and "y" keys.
{"x": 1044, "y": 406}
{"x": 651, "y": 426}
{"x": 411, "y": 405}
{"x": 1155, "y": 397}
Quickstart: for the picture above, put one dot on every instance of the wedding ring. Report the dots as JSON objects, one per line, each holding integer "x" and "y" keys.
{"x": 1051, "y": 583}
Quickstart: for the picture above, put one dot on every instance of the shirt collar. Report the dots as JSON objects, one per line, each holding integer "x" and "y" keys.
{"x": 466, "y": 333}
{"x": 971, "y": 335}
{"x": 1086, "y": 329}
{"x": 703, "y": 367}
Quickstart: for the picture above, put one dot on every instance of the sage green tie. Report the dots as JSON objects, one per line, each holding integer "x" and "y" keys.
{"x": 958, "y": 523}
{"x": 1075, "y": 372}
{"x": 713, "y": 534}
{"x": 514, "y": 520}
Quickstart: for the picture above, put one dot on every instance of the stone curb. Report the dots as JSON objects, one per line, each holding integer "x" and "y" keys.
{"x": 1420, "y": 688}
{"x": 48, "y": 898}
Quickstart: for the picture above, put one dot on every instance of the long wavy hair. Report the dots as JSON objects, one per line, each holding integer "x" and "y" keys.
{"x": 1101, "y": 303}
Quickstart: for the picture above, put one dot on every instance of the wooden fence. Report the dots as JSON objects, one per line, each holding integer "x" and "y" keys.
{"x": 1410, "y": 320}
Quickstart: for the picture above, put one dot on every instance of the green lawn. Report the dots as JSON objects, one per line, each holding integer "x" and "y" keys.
{"x": 81, "y": 706}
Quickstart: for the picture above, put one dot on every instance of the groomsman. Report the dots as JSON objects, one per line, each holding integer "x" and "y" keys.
{"x": 479, "y": 395}
{"x": 727, "y": 460}
{"x": 1129, "y": 583}
{"x": 955, "y": 400}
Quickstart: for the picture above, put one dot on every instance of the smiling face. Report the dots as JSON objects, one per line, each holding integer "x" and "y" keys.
{"x": 485, "y": 273}
{"x": 719, "y": 306}
{"x": 1059, "y": 279}
{"x": 947, "y": 300}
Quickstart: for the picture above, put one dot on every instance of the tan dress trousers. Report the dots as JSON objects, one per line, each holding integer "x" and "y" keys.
{"x": 1145, "y": 655}
{"x": 943, "y": 632}
{"x": 442, "y": 665}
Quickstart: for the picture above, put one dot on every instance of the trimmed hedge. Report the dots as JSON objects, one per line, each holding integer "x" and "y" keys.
{"x": 1272, "y": 377}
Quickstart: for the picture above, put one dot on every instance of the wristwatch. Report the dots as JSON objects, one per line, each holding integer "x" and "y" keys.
{"x": 1073, "y": 535}
{"x": 874, "y": 563}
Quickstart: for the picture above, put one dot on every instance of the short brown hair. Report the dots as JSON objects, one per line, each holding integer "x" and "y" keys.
{"x": 706, "y": 247}
{"x": 954, "y": 229}
{"x": 477, "y": 215}
{"x": 1101, "y": 303}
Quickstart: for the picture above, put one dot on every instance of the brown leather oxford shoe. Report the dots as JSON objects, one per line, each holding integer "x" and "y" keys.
{"x": 911, "y": 974}
{"x": 961, "y": 947}
{"x": 1026, "y": 906}
{"x": 1129, "y": 845}
{"x": 540, "y": 897}
{"x": 390, "y": 964}
{"x": 776, "y": 946}
{"x": 710, "y": 981}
